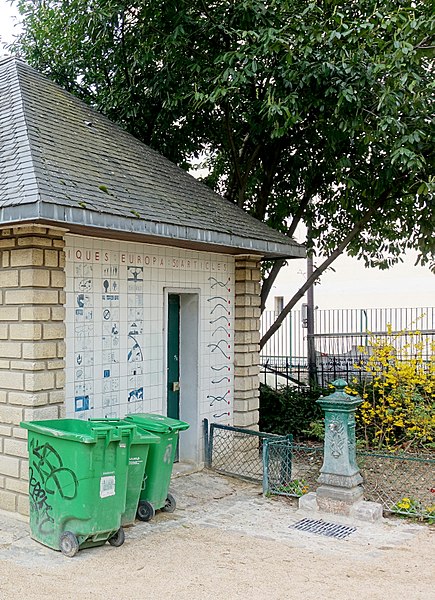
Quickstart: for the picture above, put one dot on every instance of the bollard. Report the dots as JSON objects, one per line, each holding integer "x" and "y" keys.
{"x": 340, "y": 480}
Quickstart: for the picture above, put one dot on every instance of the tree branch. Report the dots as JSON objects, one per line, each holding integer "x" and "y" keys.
{"x": 310, "y": 281}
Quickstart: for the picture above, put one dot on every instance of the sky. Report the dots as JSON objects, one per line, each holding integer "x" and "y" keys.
{"x": 350, "y": 285}
{"x": 7, "y": 14}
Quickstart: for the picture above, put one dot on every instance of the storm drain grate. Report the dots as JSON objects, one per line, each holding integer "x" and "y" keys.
{"x": 324, "y": 528}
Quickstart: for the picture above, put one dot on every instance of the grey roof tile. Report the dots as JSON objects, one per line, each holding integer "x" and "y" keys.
{"x": 58, "y": 152}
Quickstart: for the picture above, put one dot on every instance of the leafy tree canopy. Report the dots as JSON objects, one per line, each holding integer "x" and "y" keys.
{"x": 319, "y": 113}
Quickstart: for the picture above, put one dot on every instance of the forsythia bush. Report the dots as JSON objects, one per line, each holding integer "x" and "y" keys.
{"x": 398, "y": 409}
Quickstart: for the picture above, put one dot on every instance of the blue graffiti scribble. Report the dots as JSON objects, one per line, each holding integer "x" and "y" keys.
{"x": 218, "y": 319}
{"x": 217, "y": 347}
{"x": 219, "y": 283}
{"x": 220, "y": 380}
{"x": 219, "y": 398}
{"x": 220, "y": 305}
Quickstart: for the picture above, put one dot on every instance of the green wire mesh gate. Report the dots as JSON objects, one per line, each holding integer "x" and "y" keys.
{"x": 403, "y": 484}
{"x": 290, "y": 469}
{"x": 236, "y": 451}
{"x": 280, "y": 465}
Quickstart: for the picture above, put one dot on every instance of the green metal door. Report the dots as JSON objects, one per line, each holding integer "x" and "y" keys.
{"x": 173, "y": 345}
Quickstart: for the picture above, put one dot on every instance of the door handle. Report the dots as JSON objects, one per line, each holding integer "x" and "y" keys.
{"x": 175, "y": 386}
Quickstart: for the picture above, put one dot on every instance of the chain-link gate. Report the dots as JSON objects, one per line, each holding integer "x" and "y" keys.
{"x": 236, "y": 451}
{"x": 290, "y": 469}
{"x": 403, "y": 484}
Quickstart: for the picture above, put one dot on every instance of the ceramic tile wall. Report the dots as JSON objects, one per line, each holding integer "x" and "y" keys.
{"x": 115, "y": 324}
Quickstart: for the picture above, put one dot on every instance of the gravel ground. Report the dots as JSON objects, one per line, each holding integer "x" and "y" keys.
{"x": 226, "y": 541}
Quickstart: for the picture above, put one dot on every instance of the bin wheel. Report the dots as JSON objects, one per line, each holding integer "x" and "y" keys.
{"x": 170, "y": 504}
{"x": 69, "y": 544}
{"x": 145, "y": 511}
{"x": 117, "y": 538}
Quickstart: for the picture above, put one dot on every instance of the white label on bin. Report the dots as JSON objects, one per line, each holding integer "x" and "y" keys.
{"x": 168, "y": 454}
{"x": 107, "y": 486}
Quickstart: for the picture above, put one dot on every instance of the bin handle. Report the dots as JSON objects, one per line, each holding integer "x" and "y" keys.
{"x": 131, "y": 432}
{"x": 108, "y": 433}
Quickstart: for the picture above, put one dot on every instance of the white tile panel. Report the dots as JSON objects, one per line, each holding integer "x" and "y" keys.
{"x": 116, "y": 327}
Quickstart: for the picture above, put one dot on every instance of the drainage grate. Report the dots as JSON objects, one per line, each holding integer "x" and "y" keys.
{"x": 324, "y": 528}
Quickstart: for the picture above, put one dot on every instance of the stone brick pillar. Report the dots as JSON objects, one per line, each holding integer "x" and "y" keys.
{"x": 32, "y": 346}
{"x": 246, "y": 342}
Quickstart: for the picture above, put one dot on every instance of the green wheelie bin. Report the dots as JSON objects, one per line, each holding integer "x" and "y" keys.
{"x": 155, "y": 494}
{"x": 139, "y": 448}
{"x": 77, "y": 483}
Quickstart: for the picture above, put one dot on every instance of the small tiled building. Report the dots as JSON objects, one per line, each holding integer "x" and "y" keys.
{"x": 125, "y": 284}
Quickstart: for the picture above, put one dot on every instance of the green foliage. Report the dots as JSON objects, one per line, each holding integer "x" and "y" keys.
{"x": 304, "y": 112}
{"x": 316, "y": 430}
{"x": 288, "y": 410}
{"x": 295, "y": 488}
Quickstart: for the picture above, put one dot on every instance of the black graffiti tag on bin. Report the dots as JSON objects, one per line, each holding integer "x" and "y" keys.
{"x": 54, "y": 476}
{"x": 39, "y": 505}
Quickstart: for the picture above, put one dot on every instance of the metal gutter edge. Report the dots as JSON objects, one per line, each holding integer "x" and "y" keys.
{"x": 97, "y": 223}
{"x": 13, "y": 215}
{"x": 70, "y": 217}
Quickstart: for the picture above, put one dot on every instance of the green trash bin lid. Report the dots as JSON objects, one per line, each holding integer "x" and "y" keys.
{"x": 145, "y": 437}
{"x": 139, "y": 437}
{"x": 74, "y": 430}
{"x": 157, "y": 423}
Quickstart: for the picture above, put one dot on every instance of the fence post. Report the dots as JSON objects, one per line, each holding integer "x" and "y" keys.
{"x": 265, "y": 466}
{"x": 206, "y": 443}
{"x": 210, "y": 446}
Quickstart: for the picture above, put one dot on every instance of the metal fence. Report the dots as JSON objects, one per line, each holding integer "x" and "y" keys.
{"x": 279, "y": 372}
{"x": 342, "y": 338}
{"x": 403, "y": 484}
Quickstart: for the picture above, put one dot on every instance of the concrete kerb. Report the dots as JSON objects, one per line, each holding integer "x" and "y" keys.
{"x": 207, "y": 500}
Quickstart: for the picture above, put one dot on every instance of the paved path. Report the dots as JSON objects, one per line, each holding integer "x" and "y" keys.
{"x": 226, "y": 541}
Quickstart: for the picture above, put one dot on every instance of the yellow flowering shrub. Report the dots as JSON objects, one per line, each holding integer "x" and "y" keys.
{"x": 398, "y": 392}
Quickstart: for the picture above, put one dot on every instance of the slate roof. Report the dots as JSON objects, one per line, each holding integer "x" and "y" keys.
{"x": 62, "y": 162}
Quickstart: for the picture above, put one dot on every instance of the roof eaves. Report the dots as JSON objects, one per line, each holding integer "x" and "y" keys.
{"x": 20, "y": 212}
{"x": 71, "y": 216}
